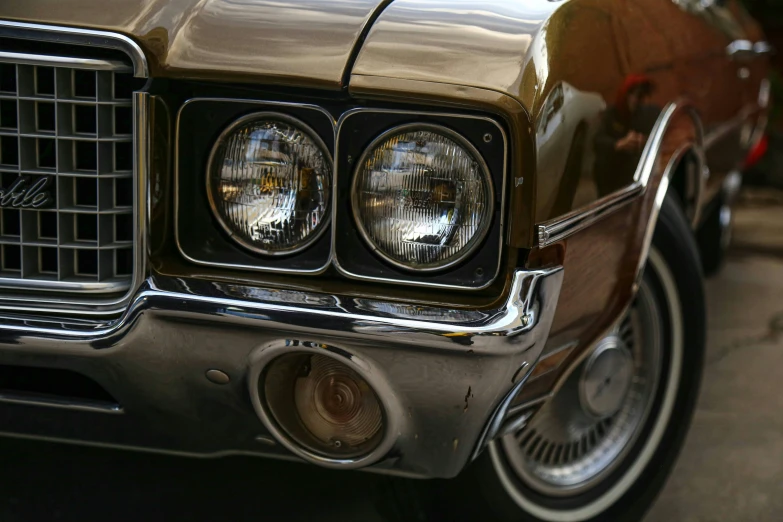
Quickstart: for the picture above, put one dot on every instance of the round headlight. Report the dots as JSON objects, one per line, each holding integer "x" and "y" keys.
{"x": 422, "y": 197}
{"x": 269, "y": 183}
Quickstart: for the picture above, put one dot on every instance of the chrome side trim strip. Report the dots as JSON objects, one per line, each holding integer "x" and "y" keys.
{"x": 721, "y": 131}
{"x": 561, "y": 228}
{"x": 64, "y": 61}
{"x": 79, "y": 36}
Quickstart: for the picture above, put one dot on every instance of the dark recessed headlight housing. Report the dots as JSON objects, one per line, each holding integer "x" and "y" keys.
{"x": 419, "y": 198}
{"x": 254, "y": 185}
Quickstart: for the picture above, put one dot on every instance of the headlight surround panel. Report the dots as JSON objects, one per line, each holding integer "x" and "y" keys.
{"x": 200, "y": 236}
{"x": 354, "y": 256}
{"x": 341, "y": 249}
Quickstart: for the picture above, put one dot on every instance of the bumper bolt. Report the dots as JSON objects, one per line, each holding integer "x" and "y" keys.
{"x": 218, "y": 377}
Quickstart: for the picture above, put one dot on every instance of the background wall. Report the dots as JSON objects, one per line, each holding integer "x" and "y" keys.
{"x": 769, "y": 172}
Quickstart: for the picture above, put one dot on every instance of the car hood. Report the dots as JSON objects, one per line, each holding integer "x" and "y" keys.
{"x": 293, "y": 42}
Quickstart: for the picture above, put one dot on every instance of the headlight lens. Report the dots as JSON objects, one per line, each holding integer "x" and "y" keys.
{"x": 422, "y": 197}
{"x": 269, "y": 183}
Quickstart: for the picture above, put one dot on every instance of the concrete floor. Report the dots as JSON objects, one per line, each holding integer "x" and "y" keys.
{"x": 731, "y": 468}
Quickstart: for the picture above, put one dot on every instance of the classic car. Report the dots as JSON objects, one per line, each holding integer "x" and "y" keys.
{"x": 434, "y": 239}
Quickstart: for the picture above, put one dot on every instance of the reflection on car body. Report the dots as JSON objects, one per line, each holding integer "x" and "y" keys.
{"x": 567, "y": 127}
{"x": 464, "y": 243}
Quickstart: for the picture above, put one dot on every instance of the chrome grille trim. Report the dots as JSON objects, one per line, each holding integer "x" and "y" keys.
{"x": 73, "y": 133}
{"x": 122, "y": 198}
{"x": 78, "y": 36}
{"x": 63, "y": 61}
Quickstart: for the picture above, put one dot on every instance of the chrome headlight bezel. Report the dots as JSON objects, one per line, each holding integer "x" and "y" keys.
{"x": 199, "y": 237}
{"x": 355, "y": 259}
{"x": 322, "y": 226}
{"x": 477, "y": 238}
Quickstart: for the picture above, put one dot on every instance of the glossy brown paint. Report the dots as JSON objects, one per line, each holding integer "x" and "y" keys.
{"x": 507, "y": 58}
{"x": 304, "y": 42}
{"x": 601, "y": 263}
{"x": 522, "y": 160}
{"x": 568, "y": 64}
{"x": 524, "y": 51}
{"x": 586, "y": 53}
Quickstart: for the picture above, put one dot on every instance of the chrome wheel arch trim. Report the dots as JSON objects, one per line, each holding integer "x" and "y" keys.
{"x": 646, "y": 454}
{"x": 660, "y": 196}
{"x": 561, "y": 228}
{"x": 663, "y": 189}
{"x": 78, "y": 36}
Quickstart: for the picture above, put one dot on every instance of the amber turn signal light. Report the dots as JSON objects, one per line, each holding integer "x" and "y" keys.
{"x": 323, "y": 405}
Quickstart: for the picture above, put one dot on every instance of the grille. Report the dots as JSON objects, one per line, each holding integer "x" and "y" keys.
{"x": 66, "y": 172}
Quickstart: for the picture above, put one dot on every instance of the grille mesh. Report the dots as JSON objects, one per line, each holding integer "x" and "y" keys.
{"x": 72, "y": 128}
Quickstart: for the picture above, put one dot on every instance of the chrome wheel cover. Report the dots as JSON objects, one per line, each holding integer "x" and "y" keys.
{"x": 571, "y": 446}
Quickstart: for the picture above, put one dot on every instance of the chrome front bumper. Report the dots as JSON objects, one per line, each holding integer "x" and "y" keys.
{"x": 443, "y": 374}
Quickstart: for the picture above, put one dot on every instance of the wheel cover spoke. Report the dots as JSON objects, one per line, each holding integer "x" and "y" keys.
{"x": 582, "y": 434}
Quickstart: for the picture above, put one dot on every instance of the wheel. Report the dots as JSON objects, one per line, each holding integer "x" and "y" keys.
{"x": 714, "y": 237}
{"x": 603, "y": 446}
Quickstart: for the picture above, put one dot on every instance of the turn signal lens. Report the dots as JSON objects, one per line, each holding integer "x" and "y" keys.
{"x": 336, "y": 405}
{"x": 422, "y": 197}
{"x": 269, "y": 183}
{"x": 323, "y": 405}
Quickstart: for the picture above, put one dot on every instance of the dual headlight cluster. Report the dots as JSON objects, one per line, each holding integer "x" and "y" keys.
{"x": 422, "y": 196}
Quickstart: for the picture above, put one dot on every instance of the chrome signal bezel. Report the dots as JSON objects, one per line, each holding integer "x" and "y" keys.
{"x": 394, "y": 424}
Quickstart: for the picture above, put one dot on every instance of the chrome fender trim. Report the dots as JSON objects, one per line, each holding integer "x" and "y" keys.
{"x": 563, "y": 227}
{"x": 651, "y": 159}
